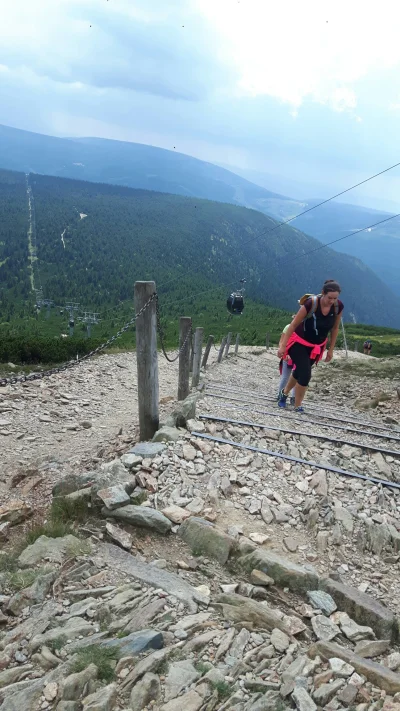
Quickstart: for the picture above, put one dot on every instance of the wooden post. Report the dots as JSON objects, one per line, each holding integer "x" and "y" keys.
{"x": 344, "y": 337}
{"x": 191, "y": 353}
{"x": 267, "y": 340}
{"x": 237, "y": 344}
{"x": 221, "y": 349}
{"x": 228, "y": 343}
{"x": 147, "y": 359}
{"x": 197, "y": 346}
{"x": 356, "y": 346}
{"x": 185, "y": 325}
{"x": 207, "y": 351}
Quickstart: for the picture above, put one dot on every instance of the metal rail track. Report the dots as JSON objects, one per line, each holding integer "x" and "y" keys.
{"x": 298, "y": 460}
{"x": 300, "y": 418}
{"x": 373, "y": 448}
{"x": 352, "y": 420}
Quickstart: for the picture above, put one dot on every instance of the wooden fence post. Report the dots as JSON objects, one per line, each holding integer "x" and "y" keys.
{"x": 207, "y": 351}
{"x": 267, "y": 340}
{"x": 191, "y": 353}
{"x": 237, "y": 344}
{"x": 228, "y": 343}
{"x": 356, "y": 346}
{"x": 147, "y": 359}
{"x": 221, "y": 349}
{"x": 185, "y": 325}
{"x": 198, "y": 342}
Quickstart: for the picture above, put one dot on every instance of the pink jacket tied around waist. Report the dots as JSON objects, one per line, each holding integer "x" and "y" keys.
{"x": 317, "y": 348}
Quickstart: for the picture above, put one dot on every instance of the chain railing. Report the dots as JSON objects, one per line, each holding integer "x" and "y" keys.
{"x": 71, "y": 364}
{"x": 161, "y": 336}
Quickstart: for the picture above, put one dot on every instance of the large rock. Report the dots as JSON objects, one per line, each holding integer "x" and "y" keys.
{"x": 206, "y": 539}
{"x": 284, "y": 572}
{"x": 184, "y": 411}
{"x": 326, "y": 692}
{"x": 167, "y": 434}
{"x": 191, "y": 701}
{"x": 322, "y": 601}
{"x": 75, "y": 627}
{"x": 135, "y": 643}
{"x": 80, "y": 684}
{"x": 15, "y": 512}
{"x": 114, "y": 496}
{"x": 362, "y": 608}
{"x": 146, "y": 690}
{"x": 141, "y": 516}
{"x": 303, "y": 700}
{"x": 147, "y": 450}
{"x": 102, "y": 700}
{"x": 32, "y": 595}
{"x": 375, "y": 673}
{"x": 176, "y": 514}
{"x": 372, "y": 648}
{"x": 180, "y": 676}
{"x": 252, "y": 614}
{"x": 74, "y": 482}
{"x": 46, "y": 548}
{"x": 324, "y": 628}
{"x": 173, "y": 584}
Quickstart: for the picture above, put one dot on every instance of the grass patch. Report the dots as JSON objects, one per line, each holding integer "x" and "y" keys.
{"x": 51, "y": 529}
{"x": 58, "y": 643}
{"x": 65, "y": 510}
{"x": 102, "y": 657}
{"x": 9, "y": 562}
{"x": 121, "y": 634}
{"x": 222, "y": 688}
{"x": 20, "y": 579}
{"x": 202, "y": 667}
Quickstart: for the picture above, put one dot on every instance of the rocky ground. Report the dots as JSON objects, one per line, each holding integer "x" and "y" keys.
{"x": 191, "y": 574}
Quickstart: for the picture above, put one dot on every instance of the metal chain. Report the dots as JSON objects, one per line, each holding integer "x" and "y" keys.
{"x": 62, "y": 368}
{"x": 161, "y": 335}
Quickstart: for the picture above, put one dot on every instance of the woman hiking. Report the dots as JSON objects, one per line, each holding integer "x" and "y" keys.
{"x": 306, "y": 338}
{"x": 285, "y": 368}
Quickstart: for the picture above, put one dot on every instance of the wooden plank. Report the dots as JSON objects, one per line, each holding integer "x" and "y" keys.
{"x": 221, "y": 349}
{"x": 185, "y": 326}
{"x": 147, "y": 359}
{"x": 197, "y": 347}
{"x": 228, "y": 343}
{"x": 207, "y": 351}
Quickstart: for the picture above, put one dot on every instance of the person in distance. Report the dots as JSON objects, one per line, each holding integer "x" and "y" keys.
{"x": 285, "y": 367}
{"x": 306, "y": 338}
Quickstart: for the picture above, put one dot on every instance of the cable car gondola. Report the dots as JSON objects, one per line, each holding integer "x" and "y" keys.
{"x": 235, "y": 301}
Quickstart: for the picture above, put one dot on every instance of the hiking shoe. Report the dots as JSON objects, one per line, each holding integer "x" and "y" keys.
{"x": 282, "y": 399}
{"x": 299, "y": 409}
{"x": 292, "y": 400}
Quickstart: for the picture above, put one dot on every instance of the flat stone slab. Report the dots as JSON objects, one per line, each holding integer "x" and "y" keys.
{"x": 149, "y": 574}
{"x": 284, "y": 572}
{"x": 114, "y": 496}
{"x": 362, "y": 608}
{"x": 147, "y": 450}
{"x": 47, "y": 548}
{"x": 322, "y": 601}
{"x": 375, "y": 673}
{"x": 135, "y": 643}
{"x": 206, "y": 539}
{"x": 142, "y": 516}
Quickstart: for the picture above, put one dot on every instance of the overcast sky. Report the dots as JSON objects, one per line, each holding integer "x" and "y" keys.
{"x": 306, "y": 90}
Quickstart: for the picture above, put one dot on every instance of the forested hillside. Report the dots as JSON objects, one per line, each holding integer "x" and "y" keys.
{"x": 95, "y": 240}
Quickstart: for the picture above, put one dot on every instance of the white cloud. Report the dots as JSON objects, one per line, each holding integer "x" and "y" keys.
{"x": 292, "y": 50}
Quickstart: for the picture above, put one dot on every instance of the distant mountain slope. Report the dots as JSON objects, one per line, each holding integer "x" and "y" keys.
{"x": 113, "y": 235}
{"x": 146, "y": 167}
{"x": 379, "y": 247}
{"x": 131, "y": 164}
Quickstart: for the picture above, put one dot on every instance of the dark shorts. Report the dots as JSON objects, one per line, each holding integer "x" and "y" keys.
{"x": 300, "y": 356}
